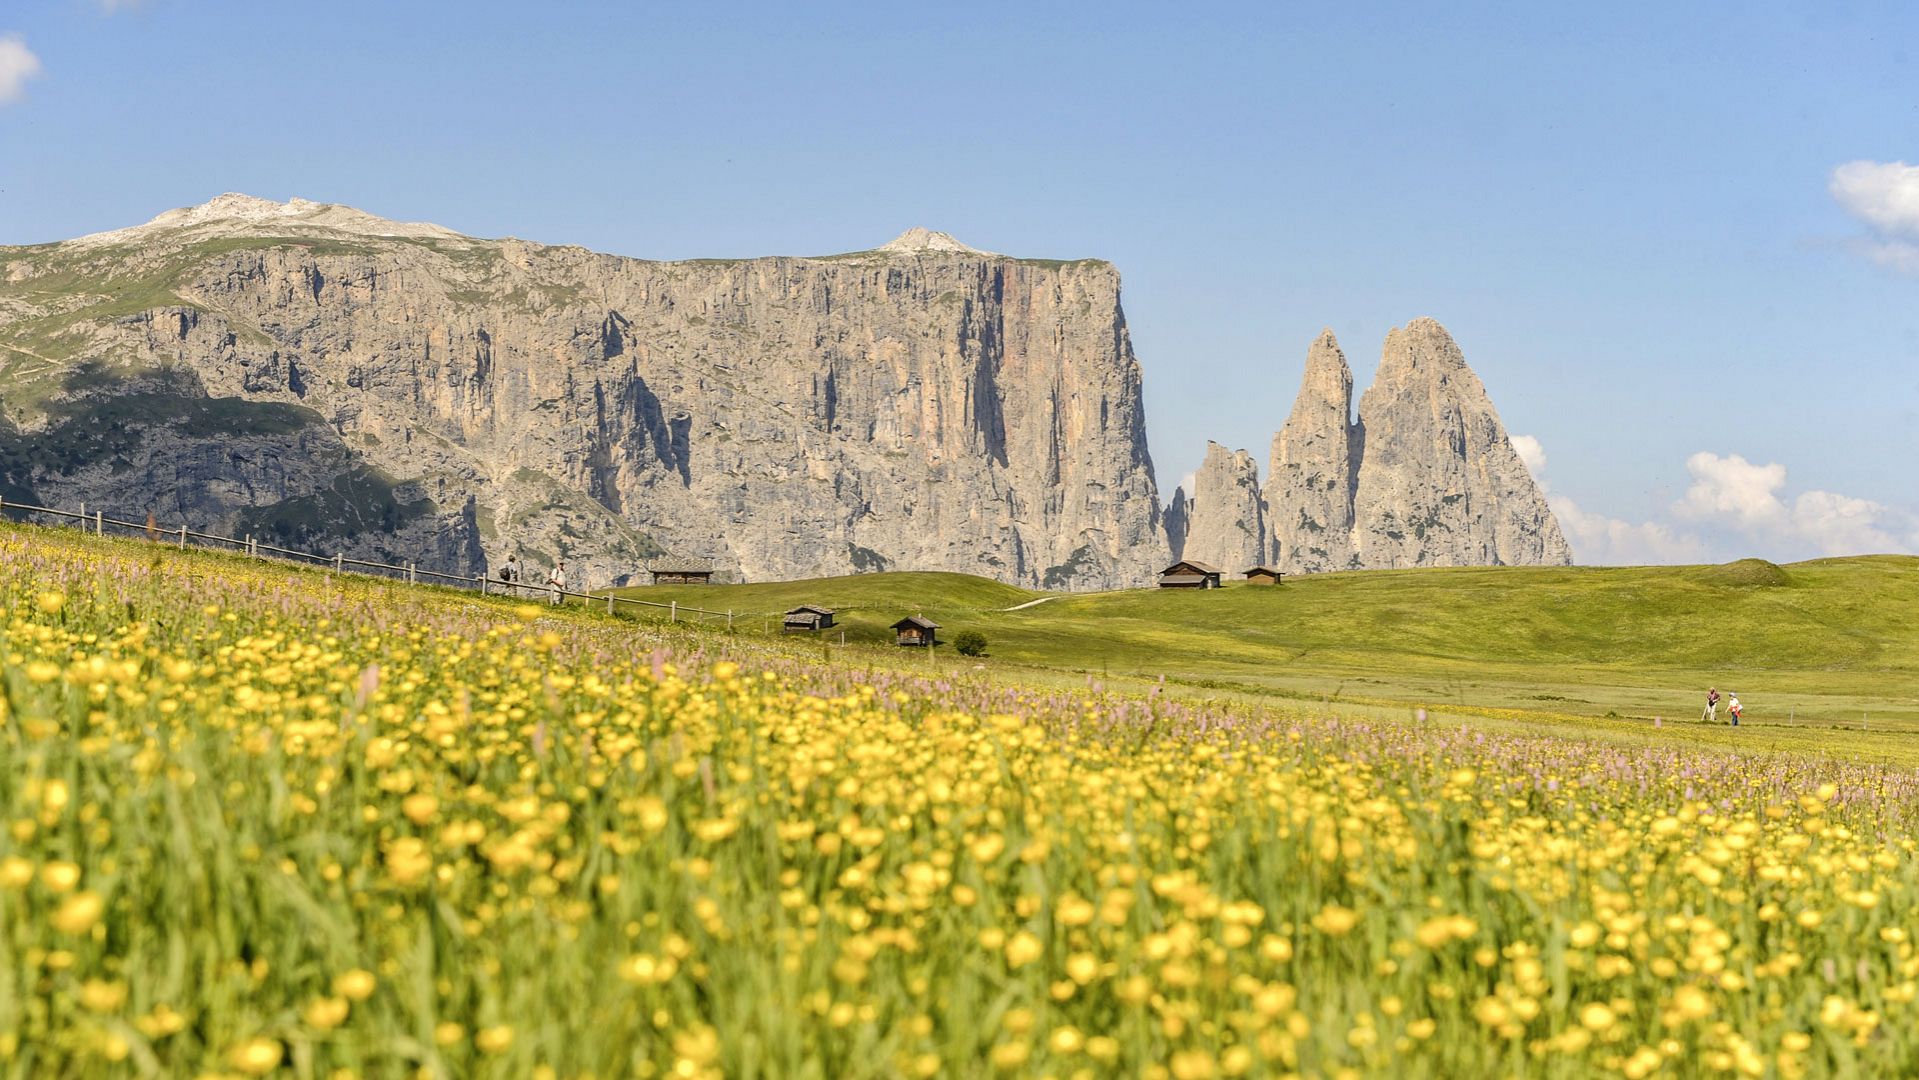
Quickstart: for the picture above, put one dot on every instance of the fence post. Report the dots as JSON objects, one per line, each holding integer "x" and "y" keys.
{"x": 609, "y": 601}
{"x": 481, "y": 578}
{"x": 339, "y": 561}
{"x": 250, "y": 551}
{"x": 410, "y": 579}
{"x": 183, "y": 538}
{"x": 83, "y": 517}
{"x": 729, "y": 618}
{"x": 99, "y": 522}
{"x": 673, "y": 612}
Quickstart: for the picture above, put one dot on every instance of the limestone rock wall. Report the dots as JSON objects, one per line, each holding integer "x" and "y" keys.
{"x": 1426, "y": 477}
{"x": 1228, "y": 524}
{"x": 1179, "y": 516}
{"x": 925, "y": 407}
{"x": 1440, "y": 483}
{"x": 1309, "y": 482}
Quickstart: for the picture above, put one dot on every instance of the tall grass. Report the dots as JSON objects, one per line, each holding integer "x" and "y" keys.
{"x": 263, "y": 821}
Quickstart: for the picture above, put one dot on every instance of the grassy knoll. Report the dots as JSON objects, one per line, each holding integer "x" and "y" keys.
{"x": 1816, "y": 647}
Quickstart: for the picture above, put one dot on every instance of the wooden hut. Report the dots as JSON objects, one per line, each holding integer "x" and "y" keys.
{"x": 1188, "y": 574}
{"x": 1263, "y": 575}
{"x": 807, "y": 617}
{"x": 916, "y": 630}
{"x": 680, "y": 573}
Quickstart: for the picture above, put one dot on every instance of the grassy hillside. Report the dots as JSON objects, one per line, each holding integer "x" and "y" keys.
{"x": 864, "y": 604}
{"x": 274, "y": 821}
{"x": 1829, "y": 642}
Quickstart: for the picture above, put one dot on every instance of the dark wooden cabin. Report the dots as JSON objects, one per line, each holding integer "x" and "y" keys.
{"x": 681, "y": 573}
{"x": 916, "y": 630}
{"x": 807, "y": 617}
{"x": 1263, "y": 575}
{"x": 1188, "y": 574}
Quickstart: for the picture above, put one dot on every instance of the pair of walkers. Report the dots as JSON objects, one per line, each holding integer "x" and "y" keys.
{"x": 514, "y": 578}
{"x": 1711, "y": 715}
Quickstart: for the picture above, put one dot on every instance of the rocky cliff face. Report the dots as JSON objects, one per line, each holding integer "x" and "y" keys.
{"x": 330, "y": 378}
{"x": 1228, "y": 525}
{"x": 1309, "y": 482}
{"x": 1179, "y": 516}
{"x": 1439, "y": 483}
{"x": 1427, "y": 477}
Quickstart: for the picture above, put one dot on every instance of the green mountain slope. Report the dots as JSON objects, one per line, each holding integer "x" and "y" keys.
{"x": 1831, "y": 639}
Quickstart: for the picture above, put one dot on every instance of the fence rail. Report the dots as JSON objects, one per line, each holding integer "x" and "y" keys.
{"x": 339, "y": 563}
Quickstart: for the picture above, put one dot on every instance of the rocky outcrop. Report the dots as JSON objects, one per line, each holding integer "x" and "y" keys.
{"x": 1309, "y": 482}
{"x": 1179, "y": 519}
{"x": 1439, "y": 482}
{"x": 1427, "y": 477}
{"x": 1228, "y": 525}
{"x": 925, "y": 406}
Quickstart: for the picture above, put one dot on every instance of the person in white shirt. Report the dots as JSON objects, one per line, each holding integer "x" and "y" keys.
{"x": 557, "y": 582}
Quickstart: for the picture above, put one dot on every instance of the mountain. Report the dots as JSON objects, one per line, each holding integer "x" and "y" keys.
{"x": 329, "y": 379}
{"x": 1439, "y": 482}
{"x": 1309, "y": 481}
{"x": 1425, "y": 477}
{"x": 1227, "y": 526}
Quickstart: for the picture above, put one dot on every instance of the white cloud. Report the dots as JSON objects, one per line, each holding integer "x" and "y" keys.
{"x": 1734, "y": 508}
{"x": 1533, "y": 454}
{"x": 1841, "y": 525}
{"x": 1883, "y": 196}
{"x": 1733, "y": 492}
{"x": 1598, "y": 540}
{"x": 17, "y": 65}
{"x": 1900, "y": 255}
{"x": 1733, "y": 486}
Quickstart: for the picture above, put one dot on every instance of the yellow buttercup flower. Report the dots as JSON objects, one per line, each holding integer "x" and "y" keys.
{"x": 78, "y": 913}
{"x": 256, "y": 1057}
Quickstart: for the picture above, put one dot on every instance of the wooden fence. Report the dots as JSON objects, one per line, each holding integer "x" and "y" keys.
{"x": 98, "y": 522}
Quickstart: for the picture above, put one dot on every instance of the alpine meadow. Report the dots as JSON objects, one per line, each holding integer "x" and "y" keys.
{"x": 872, "y": 541}
{"x": 266, "y": 819}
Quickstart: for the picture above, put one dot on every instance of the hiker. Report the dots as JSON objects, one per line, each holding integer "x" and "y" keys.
{"x": 1711, "y": 715}
{"x": 510, "y": 573}
{"x": 557, "y": 582}
{"x": 1733, "y": 708}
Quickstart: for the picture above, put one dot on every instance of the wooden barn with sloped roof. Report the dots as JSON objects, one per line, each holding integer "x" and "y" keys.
{"x": 807, "y": 617}
{"x": 680, "y": 572}
{"x": 916, "y": 630}
{"x": 1189, "y": 574}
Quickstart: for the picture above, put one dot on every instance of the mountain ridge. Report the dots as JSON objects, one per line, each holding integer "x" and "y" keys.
{"x": 1424, "y": 475}
{"x": 778, "y": 417}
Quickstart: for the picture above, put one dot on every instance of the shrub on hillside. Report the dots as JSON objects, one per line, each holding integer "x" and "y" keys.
{"x": 970, "y": 643}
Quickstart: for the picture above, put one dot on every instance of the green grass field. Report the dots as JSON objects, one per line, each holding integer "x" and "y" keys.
{"x": 267, "y": 820}
{"x": 1819, "y": 651}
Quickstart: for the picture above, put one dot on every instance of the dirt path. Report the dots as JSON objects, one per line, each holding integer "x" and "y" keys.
{"x": 1029, "y": 603}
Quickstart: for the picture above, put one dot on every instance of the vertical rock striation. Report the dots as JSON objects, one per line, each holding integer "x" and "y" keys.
{"x": 923, "y": 406}
{"x": 1427, "y": 477}
{"x": 1227, "y": 527}
{"x": 1179, "y": 517}
{"x": 1309, "y": 483}
{"x": 1439, "y": 482}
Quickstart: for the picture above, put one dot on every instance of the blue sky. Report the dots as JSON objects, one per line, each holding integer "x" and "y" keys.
{"x": 1629, "y": 217}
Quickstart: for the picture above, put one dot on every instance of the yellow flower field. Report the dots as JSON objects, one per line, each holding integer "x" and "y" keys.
{"x": 266, "y": 822}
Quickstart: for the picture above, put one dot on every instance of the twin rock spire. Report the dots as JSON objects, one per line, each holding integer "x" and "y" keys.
{"x": 1426, "y": 477}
